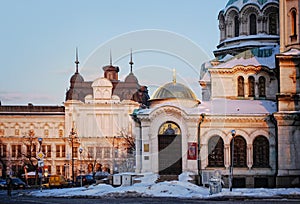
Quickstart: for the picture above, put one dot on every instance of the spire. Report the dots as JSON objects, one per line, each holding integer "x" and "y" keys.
{"x": 131, "y": 62}
{"x": 76, "y": 62}
{"x": 110, "y": 58}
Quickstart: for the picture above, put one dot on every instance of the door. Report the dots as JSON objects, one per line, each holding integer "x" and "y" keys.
{"x": 169, "y": 146}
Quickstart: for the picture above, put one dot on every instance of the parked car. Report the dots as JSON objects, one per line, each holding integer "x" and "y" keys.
{"x": 2, "y": 184}
{"x": 16, "y": 184}
{"x": 58, "y": 181}
{"x": 101, "y": 175}
{"x": 86, "y": 180}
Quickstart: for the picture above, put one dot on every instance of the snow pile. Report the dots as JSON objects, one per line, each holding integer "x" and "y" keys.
{"x": 149, "y": 188}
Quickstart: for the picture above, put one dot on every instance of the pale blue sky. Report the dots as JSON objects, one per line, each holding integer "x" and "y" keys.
{"x": 39, "y": 38}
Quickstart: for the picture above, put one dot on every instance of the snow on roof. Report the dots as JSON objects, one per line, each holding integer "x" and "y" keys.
{"x": 252, "y": 57}
{"x": 291, "y": 52}
{"x": 206, "y": 77}
{"x": 237, "y": 107}
{"x": 227, "y": 57}
{"x": 176, "y": 189}
{"x": 256, "y": 37}
{"x": 221, "y": 106}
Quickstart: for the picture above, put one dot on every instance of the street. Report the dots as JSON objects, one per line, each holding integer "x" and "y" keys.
{"x": 19, "y": 197}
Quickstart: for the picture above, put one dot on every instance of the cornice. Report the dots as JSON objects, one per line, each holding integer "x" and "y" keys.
{"x": 237, "y": 119}
{"x": 240, "y": 68}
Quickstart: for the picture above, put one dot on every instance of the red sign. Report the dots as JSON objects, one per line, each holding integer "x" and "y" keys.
{"x": 192, "y": 151}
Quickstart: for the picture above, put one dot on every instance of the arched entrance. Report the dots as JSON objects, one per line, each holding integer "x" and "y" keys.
{"x": 169, "y": 147}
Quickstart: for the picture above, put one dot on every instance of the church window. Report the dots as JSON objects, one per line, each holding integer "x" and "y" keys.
{"x": 240, "y": 153}
{"x": 253, "y": 24}
{"x": 236, "y": 26}
{"x": 273, "y": 24}
{"x": 251, "y": 83}
{"x": 261, "y": 152}
{"x": 293, "y": 23}
{"x": 262, "y": 86}
{"x": 216, "y": 152}
{"x": 241, "y": 86}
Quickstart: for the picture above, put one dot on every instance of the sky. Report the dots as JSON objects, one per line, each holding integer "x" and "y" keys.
{"x": 39, "y": 39}
{"x": 178, "y": 189}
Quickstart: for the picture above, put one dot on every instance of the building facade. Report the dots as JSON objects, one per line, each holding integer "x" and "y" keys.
{"x": 91, "y": 133}
{"x": 247, "y": 125}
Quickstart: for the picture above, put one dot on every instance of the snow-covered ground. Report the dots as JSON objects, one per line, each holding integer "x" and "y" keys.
{"x": 180, "y": 189}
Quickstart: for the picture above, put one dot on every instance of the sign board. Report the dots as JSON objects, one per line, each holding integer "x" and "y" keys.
{"x": 192, "y": 151}
{"x": 40, "y": 163}
{"x": 40, "y": 155}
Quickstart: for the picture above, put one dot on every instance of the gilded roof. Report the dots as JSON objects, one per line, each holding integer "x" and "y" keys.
{"x": 174, "y": 90}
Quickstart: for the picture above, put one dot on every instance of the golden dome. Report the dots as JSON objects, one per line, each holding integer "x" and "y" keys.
{"x": 174, "y": 90}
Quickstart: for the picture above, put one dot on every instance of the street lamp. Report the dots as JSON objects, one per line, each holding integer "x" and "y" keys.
{"x": 231, "y": 160}
{"x": 73, "y": 138}
{"x": 40, "y": 162}
{"x": 80, "y": 151}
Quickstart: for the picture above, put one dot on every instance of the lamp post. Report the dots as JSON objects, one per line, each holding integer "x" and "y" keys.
{"x": 73, "y": 138}
{"x": 231, "y": 160}
{"x": 40, "y": 165}
{"x": 80, "y": 151}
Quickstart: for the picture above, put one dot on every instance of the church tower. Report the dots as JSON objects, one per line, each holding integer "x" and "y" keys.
{"x": 288, "y": 115}
{"x": 289, "y": 25}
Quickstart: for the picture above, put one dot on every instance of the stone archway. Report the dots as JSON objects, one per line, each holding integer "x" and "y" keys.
{"x": 170, "y": 149}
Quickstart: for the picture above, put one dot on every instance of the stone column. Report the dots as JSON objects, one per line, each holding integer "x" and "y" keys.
{"x": 249, "y": 156}
{"x": 227, "y": 155}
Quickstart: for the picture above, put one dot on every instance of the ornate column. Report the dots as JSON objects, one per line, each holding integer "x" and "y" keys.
{"x": 249, "y": 156}
{"x": 227, "y": 155}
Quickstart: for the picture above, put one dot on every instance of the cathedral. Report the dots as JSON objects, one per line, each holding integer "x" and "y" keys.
{"x": 246, "y": 127}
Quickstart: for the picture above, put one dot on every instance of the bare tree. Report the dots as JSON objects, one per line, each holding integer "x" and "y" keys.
{"x": 128, "y": 162}
{"x": 30, "y": 155}
{"x": 3, "y": 160}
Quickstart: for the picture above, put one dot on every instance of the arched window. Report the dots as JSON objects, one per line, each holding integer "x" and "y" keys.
{"x": 253, "y": 24}
{"x": 216, "y": 152}
{"x": 293, "y": 23}
{"x": 273, "y": 24}
{"x": 262, "y": 86}
{"x": 241, "y": 86}
{"x": 236, "y": 26}
{"x": 261, "y": 152}
{"x": 240, "y": 153}
{"x": 251, "y": 87}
